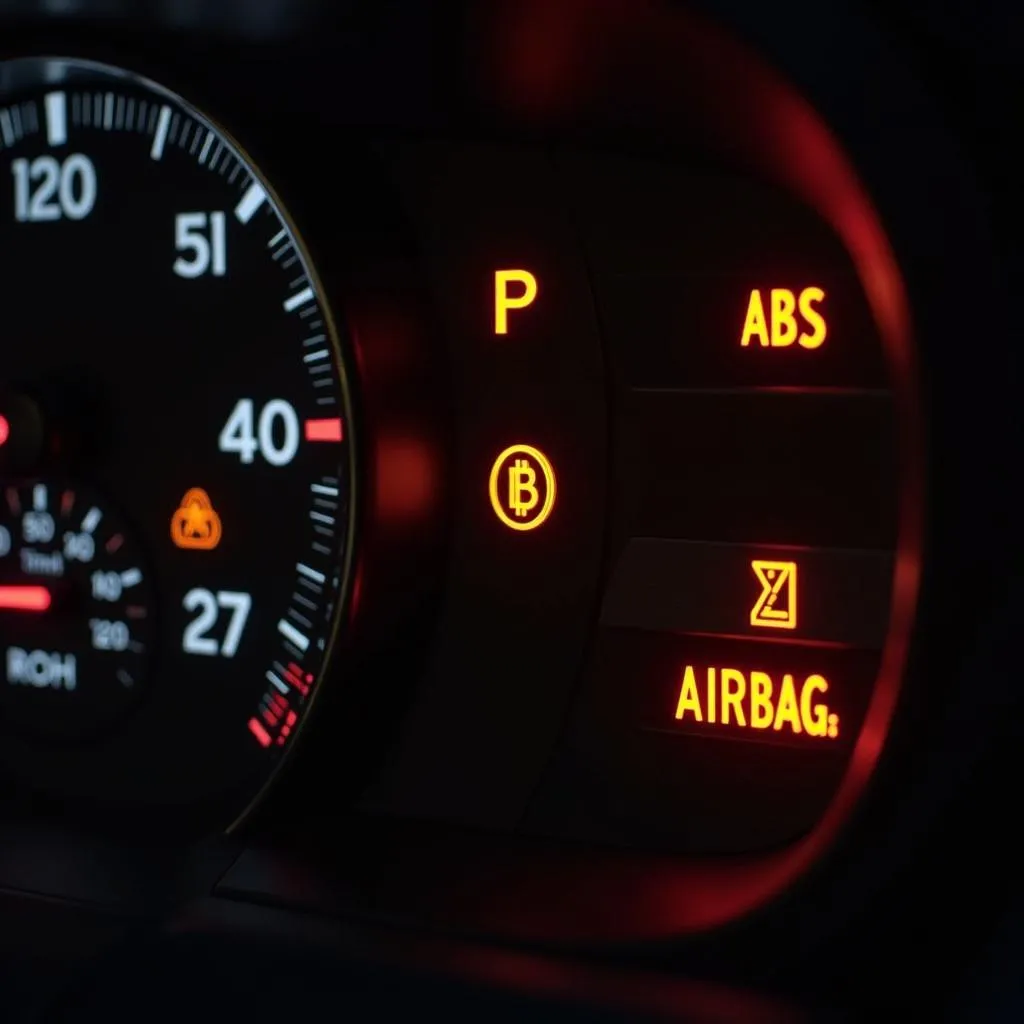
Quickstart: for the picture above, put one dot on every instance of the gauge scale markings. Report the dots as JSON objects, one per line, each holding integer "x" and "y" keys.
{"x": 262, "y": 456}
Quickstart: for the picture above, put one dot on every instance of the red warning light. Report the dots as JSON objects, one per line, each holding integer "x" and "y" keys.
{"x": 5, "y": 430}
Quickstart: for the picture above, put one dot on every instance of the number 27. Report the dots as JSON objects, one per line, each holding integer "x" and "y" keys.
{"x": 197, "y": 639}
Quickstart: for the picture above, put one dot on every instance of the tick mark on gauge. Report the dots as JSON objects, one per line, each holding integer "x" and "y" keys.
{"x": 207, "y": 144}
{"x": 324, "y": 430}
{"x": 312, "y": 574}
{"x": 259, "y": 732}
{"x": 276, "y": 682}
{"x": 301, "y": 298}
{"x": 130, "y": 577}
{"x": 291, "y": 634}
{"x": 56, "y": 118}
{"x": 253, "y": 199}
{"x": 91, "y": 520}
{"x": 163, "y": 123}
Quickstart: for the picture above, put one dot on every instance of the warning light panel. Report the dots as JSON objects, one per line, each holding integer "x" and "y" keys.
{"x": 788, "y": 318}
{"x": 195, "y": 524}
{"x": 522, "y": 487}
{"x": 775, "y": 607}
{"x": 513, "y": 290}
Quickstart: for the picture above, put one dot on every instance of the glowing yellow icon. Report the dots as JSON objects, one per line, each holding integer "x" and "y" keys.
{"x": 776, "y": 606}
{"x": 789, "y": 314}
{"x": 504, "y": 301}
{"x": 195, "y": 524}
{"x": 751, "y": 700}
{"x": 522, "y": 487}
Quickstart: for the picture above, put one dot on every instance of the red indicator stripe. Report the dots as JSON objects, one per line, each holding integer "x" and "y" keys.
{"x": 259, "y": 732}
{"x": 25, "y": 599}
{"x": 323, "y": 430}
{"x": 294, "y": 676}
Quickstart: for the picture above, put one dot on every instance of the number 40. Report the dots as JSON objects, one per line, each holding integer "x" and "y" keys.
{"x": 274, "y": 433}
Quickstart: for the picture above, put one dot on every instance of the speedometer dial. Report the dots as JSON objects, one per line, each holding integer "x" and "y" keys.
{"x": 176, "y": 448}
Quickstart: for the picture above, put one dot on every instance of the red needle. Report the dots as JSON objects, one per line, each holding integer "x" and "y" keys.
{"x": 24, "y": 599}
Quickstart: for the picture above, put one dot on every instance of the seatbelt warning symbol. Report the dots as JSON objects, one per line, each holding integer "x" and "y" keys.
{"x": 775, "y": 608}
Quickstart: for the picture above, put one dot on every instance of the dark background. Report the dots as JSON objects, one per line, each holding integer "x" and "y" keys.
{"x": 925, "y": 919}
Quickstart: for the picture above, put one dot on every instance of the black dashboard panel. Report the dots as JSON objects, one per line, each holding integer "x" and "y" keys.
{"x": 609, "y": 609}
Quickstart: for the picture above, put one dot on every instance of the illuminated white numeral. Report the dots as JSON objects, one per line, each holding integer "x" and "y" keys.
{"x": 197, "y": 639}
{"x": 109, "y": 636}
{"x": 274, "y": 434}
{"x": 106, "y": 586}
{"x": 47, "y": 189}
{"x": 203, "y": 237}
{"x": 37, "y": 527}
{"x": 79, "y": 547}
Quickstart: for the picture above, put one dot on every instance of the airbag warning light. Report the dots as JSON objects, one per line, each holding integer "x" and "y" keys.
{"x": 728, "y": 697}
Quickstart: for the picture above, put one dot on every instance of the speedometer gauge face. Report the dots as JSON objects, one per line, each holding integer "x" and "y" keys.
{"x": 175, "y": 448}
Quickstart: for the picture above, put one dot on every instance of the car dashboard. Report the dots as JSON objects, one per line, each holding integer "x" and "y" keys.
{"x": 508, "y": 510}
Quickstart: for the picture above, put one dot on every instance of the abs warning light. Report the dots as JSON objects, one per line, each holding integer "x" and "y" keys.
{"x": 716, "y": 697}
{"x": 787, "y": 318}
{"x": 522, "y": 487}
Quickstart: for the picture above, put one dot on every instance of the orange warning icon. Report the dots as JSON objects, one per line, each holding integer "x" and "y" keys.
{"x": 195, "y": 524}
{"x": 776, "y": 606}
